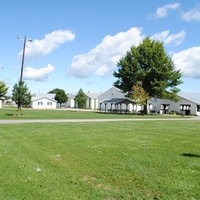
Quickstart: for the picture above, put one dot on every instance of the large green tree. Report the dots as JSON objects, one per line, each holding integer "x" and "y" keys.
{"x": 3, "y": 89}
{"x": 21, "y": 95}
{"x": 80, "y": 99}
{"x": 61, "y": 96}
{"x": 150, "y": 65}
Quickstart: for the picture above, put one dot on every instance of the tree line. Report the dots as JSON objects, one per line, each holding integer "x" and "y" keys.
{"x": 22, "y": 96}
{"x": 61, "y": 97}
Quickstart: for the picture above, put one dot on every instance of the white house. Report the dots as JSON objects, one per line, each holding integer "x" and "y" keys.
{"x": 43, "y": 101}
{"x": 92, "y": 100}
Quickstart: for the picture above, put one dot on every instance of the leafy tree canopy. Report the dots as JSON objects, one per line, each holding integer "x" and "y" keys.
{"x": 61, "y": 96}
{"x": 81, "y": 98}
{"x": 149, "y": 64}
{"x": 21, "y": 94}
{"x": 3, "y": 89}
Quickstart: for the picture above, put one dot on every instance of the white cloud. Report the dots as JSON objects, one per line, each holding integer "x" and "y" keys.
{"x": 37, "y": 74}
{"x": 191, "y": 15}
{"x": 188, "y": 61}
{"x": 103, "y": 58}
{"x": 51, "y": 41}
{"x": 173, "y": 39}
{"x": 162, "y": 12}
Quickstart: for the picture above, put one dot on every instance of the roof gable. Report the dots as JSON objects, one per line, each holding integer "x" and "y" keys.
{"x": 92, "y": 95}
{"x": 112, "y": 92}
{"x": 43, "y": 95}
{"x": 41, "y": 98}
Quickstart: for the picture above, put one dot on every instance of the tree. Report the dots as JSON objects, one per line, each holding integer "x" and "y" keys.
{"x": 61, "y": 96}
{"x": 21, "y": 95}
{"x": 139, "y": 95}
{"x": 149, "y": 64}
{"x": 3, "y": 89}
{"x": 81, "y": 98}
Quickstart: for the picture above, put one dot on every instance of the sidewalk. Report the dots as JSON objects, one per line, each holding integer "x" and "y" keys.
{"x": 90, "y": 120}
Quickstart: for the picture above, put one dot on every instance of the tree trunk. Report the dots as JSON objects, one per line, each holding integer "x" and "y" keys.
{"x": 136, "y": 109}
{"x": 145, "y": 108}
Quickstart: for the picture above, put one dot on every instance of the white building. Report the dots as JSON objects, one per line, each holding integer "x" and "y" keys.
{"x": 114, "y": 100}
{"x": 189, "y": 103}
{"x": 1, "y": 102}
{"x": 92, "y": 100}
{"x": 110, "y": 94}
{"x": 43, "y": 101}
{"x": 70, "y": 102}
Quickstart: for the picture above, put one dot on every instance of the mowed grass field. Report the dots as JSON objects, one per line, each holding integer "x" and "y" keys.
{"x": 102, "y": 160}
{"x": 11, "y": 113}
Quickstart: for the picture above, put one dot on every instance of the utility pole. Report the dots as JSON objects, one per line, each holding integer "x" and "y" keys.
{"x": 23, "y": 55}
{"x": 20, "y": 98}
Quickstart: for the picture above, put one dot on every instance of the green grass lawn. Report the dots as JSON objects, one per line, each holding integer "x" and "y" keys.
{"x": 11, "y": 113}
{"x": 107, "y": 160}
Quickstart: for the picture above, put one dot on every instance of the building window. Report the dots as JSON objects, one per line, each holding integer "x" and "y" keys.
{"x": 185, "y": 107}
{"x": 198, "y": 108}
{"x": 49, "y": 103}
{"x": 40, "y": 103}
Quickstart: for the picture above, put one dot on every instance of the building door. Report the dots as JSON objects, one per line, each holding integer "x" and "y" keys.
{"x": 185, "y": 109}
{"x": 164, "y": 108}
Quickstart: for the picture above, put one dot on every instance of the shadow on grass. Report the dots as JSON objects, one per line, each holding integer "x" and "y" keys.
{"x": 114, "y": 113}
{"x": 14, "y": 114}
{"x": 9, "y": 114}
{"x": 191, "y": 155}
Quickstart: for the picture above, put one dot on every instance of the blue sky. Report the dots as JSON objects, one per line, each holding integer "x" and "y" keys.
{"x": 76, "y": 44}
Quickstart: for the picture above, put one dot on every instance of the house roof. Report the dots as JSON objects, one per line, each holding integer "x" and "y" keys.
{"x": 117, "y": 101}
{"x": 44, "y": 95}
{"x": 194, "y": 97}
{"x": 92, "y": 95}
{"x": 40, "y": 98}
{"x": 72, "y": 96}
